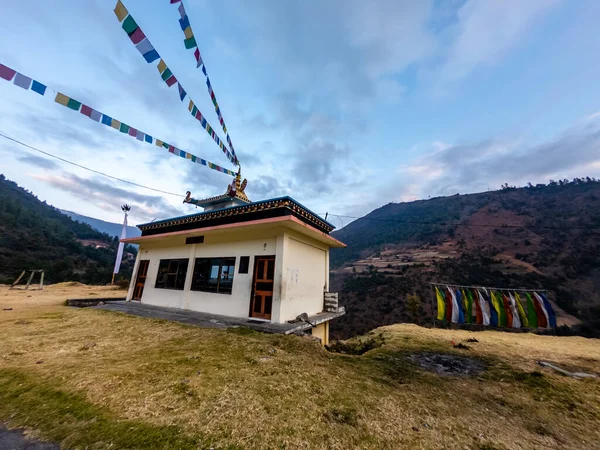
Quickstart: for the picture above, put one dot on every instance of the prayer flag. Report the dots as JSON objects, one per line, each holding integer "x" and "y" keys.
{"x": 22, "y": 81}
{"x": 188, "y": 155}
{"x": 121, "y": 11}
{"x": 198, "y": 115}
{"x": 148, "y": 138}
{"x": 198, "y": 57}
{"x": 38, "y": 87}
{"x": 139, "y": 136}
{"x": 162, "y": 66}
{"x": 531, "y": 312}
{"x": 6, "y": 72}
{"x": 86, "y": 110}
{"x": 190, "y": 43}
{"x": 441, "y": 306}
{"x": 184, "y": 22}
{"x": 144, "y": 46}
{"x": 182, "y": 153}
{"x": 124, "y": 128}
{"x": 171, "y": 149}
{"x": 73, "y": 104}
{"x": 190, "y": 106}
{"x": 106, "y": 120}
{"x": 151, "y": 56}
{"x": 194, "y": 110}
{"x": 549, "y": 310}
{"x": 165, "y": 145}
{"x": 203, "y": 122}
{"x": 181, "y": 10}
{"x": 171, "y": 81}
{"x": 182, "y": 92}
{"x": 204, "y": 69}
{"x": 193, "y": 158}
{"x": 513, "y": 306}
{"x": 542, "y": 313}
{"x": 137, "y": 36}
{"x": 132, "y": 132}
{"x": 116, "y": 124}
{"x": 166, "y": 74}
{"x": 188, "y": 33}
{"x": 175, "y": 1}
{"x": 129, "y": 25}
{"x": 159, "y": 143}
{"x": 522, "y": 314}
{"x": 62, "y": 99}
{"x": 121, "y": 246}
{"x": 95, "y": 115}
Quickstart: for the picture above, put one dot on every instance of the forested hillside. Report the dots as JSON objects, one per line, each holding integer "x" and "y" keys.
{"x": 35, "y": 235}
{"x": 544, "y": 236}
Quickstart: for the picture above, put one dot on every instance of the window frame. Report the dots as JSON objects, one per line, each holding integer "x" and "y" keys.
{"x": 178, "y": 273}
{"x": 224, "y": 261}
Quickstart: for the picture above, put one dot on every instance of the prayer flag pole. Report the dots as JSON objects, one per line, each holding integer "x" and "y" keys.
{"x": 125, "y": 208}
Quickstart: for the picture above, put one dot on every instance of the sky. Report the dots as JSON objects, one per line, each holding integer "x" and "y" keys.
{"x": 344, "y": 105}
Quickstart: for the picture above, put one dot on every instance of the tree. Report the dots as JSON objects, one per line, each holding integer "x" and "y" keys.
{"x": 413, "y": 304}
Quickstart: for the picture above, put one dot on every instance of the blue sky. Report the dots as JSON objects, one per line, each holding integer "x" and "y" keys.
{"x": 344, "y": 105}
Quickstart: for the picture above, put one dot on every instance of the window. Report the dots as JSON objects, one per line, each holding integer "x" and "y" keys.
{"x": 213, "y": 275}
{"x": 244, "y": 264}
{"x": 171, "y": 274}
{"x": 195, "y": 240}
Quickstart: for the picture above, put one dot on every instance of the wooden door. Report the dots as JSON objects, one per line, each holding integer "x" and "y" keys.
{"x": 141, "y": 279}
{"x": 262, "y": 287}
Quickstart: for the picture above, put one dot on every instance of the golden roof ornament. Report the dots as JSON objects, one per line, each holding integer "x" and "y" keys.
{"x": 237, "y": 187}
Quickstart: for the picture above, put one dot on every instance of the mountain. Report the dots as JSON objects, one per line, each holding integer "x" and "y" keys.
{"x": 35, "y": 235}
{"x": 543, "y": 236}
{"x": 110, "y": 228}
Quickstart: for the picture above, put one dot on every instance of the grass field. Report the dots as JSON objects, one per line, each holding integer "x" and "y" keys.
{"x": 96, "y": 379}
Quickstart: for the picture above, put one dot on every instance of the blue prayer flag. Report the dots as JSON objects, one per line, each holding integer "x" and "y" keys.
{"x": 184, "y": 22}
{"x": 151, "y": 56}
{"x": 106, "y": 120}
{"x": 148, "y": 138}
{"x": 38, "y": 87}
{"x": 208, "y": 82}
{"x": 204, "y": 70}
{"x": 182, "y": 153}
{"x": 203, "y": 122}
{"x": 182, "y": 93}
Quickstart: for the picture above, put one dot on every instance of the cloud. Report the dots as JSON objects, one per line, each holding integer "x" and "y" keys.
{"x": 108, "y": 198}
{"x": 472, "y": 167}
{"x": 38, "y": 161}
{"x": 486, "y": 30}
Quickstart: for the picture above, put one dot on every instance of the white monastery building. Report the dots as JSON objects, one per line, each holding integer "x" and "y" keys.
{"x": 259, "y": 261}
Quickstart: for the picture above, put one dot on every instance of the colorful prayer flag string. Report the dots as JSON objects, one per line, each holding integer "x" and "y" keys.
{"x": 150, "y": 54}
{"x": 27, "y": 83}
{"x": 190, "y": 42}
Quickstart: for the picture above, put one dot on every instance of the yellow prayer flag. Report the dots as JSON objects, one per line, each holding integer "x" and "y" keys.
{"x": 188, "y": 156}
{"x": 116, "y": 124}
{"x": 121, "y": 11}
{"x": 62, "y": 99}
{"x": 161, "y": 66}
{"x": 191, "y": 106}
{"x": 159, "y": 143}
{"x": 188, "y": 33}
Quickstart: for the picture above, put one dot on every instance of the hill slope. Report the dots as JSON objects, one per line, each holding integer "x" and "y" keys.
{"x": 34, "y": 235}
{"x": 110, "y": 228}
{"x": 544, "y": 236}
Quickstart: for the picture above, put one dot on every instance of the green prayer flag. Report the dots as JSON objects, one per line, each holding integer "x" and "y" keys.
{"x": 531, "y": 312}
{"x": 194, "y": 111}
{"x": 165, "y": 145}
{"x": 193, "y": 158}
{"x": 124, "y": 128}
{"x": 129, "y": 25}
{"x": 190, "y": 43}
{"x": 74, "y": 104}
{"x": 166, "y": 74}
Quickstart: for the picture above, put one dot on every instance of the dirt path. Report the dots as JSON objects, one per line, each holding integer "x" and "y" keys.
{"x": 16, "y": 440}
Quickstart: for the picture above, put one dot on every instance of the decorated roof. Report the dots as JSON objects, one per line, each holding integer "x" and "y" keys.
{"x": 276, "y": 207}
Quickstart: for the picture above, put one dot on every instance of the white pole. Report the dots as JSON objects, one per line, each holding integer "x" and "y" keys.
{"x": 120, "y": 250}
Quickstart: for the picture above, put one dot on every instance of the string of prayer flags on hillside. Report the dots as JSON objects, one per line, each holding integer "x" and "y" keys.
{"x": 190, "y": 42}
{"x": 27, "y": 83}
{"x": 131, "y": 27}
{"x": 494, "y": 307}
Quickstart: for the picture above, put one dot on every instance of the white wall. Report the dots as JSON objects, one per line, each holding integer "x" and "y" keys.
{"x": 236, "y": 304}
{"x": 305, "y": 275}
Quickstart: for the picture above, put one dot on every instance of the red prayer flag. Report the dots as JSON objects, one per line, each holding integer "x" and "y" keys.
{"x": 6, "y": 72}
{"x": 171, "y": 81}
{"x": 137, "y": 36}
{"x": 171, "y": 149}
{"x": 132, "y": 132}
{"x": 198, "y": 115}
{"x": 86, "y": 110}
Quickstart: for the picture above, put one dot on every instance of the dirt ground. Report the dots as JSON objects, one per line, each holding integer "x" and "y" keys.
{"x": 87, "y": 378}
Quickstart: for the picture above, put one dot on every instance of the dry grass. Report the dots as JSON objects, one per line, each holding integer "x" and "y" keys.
{"x": 92, "y": 378}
